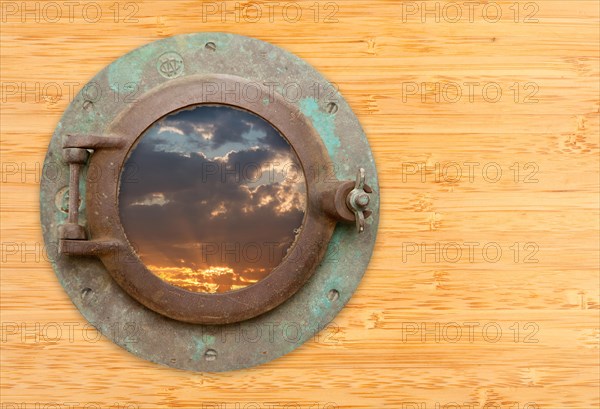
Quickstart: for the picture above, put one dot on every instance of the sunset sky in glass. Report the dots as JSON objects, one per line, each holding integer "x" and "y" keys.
{"x": 212, "y": 197}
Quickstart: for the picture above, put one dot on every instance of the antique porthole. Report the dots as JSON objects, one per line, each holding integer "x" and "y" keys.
{"x": 209, "y": 202}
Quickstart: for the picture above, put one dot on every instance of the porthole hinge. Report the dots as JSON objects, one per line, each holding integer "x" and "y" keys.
{"x": 76, "y": 152}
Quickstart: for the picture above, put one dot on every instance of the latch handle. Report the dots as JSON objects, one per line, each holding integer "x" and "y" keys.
{"x": 358, "y": 200}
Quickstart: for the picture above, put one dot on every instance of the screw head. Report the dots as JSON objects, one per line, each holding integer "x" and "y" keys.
{"x": 210, "y": 355}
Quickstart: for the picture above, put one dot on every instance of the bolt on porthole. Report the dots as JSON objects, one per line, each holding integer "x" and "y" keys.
{"x": 211, "y": 201}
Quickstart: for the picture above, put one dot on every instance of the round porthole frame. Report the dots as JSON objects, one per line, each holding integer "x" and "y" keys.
{"x": 98, "y": 267}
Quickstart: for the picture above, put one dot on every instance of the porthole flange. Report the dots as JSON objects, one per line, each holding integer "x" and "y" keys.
{"x": 159, "y": 78}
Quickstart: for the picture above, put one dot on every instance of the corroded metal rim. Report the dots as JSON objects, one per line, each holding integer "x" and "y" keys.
{"x": 151, "y": 335}
{"x": 176, "y": 302}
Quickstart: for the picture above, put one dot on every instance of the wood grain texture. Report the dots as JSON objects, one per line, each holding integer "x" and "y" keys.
{"x": 397, "y": 344}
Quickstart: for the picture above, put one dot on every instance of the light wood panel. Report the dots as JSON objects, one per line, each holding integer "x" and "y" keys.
{"x": 396, "y": 344}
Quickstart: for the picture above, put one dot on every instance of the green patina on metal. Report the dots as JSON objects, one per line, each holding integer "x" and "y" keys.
{"x": 179, "y": 344}
{"x": 323, "y": 122}
{"x": 127, "y": 71}
{"x": 201, "y": 344}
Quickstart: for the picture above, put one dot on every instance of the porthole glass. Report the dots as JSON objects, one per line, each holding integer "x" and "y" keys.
{"x": 212, "y": 198}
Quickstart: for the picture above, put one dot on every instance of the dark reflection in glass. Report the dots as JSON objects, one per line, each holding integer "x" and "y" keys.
{"x": 212, "y": 197}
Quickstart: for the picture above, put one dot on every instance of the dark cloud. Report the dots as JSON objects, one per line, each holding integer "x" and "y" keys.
{"x": 225, "y": 124}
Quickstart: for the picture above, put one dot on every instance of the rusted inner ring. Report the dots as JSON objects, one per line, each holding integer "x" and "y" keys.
{"x": 202, "y": 308}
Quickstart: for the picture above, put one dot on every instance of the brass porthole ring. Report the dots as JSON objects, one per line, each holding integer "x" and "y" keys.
{"x": 99, "y": 265}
